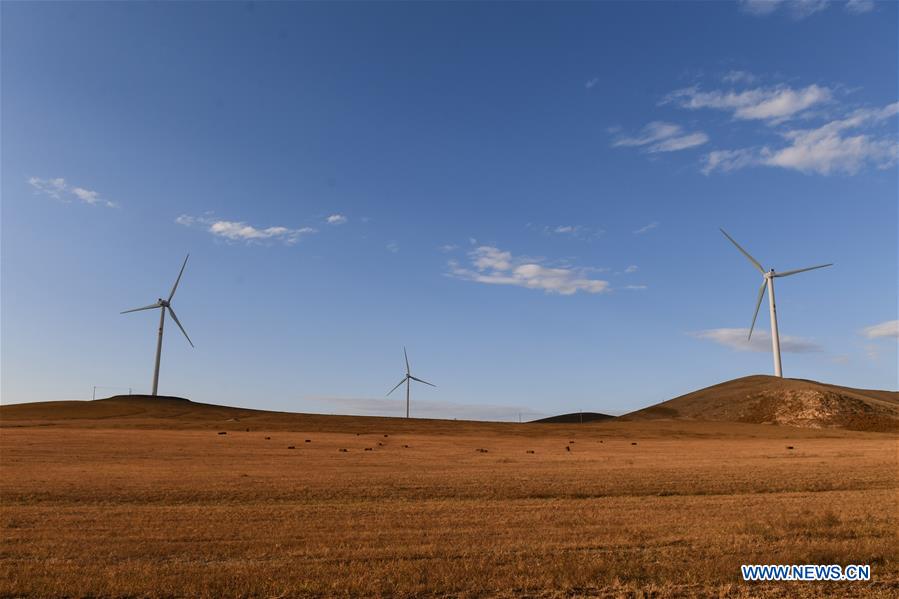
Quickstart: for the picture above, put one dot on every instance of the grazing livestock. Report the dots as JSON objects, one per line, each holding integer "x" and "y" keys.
{"x": 223, "y": 433}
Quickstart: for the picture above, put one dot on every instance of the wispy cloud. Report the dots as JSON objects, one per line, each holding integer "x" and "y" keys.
{"x": 761, "y": 341}
{"x": 659, "y": 136}
{"x": 631, "y": 268}
{"x": 241, "y": 231}
{"x": 883, "y": 330}
{"x": 493, "y": 266}
{"x": 422, "y": 409}
{"x": 726, "y": 161}
{"x": 581, "y": 232}
{"x": 771, "y": 104}
{"x": 737, "y": 76}
{"x": 591, "y": 83}
{"x": 798, "y": 9}
{"x": 858, "y": 7}
{"x": 59, "y": 189}
{"x": 393, "y": 247}
{"x": 336, "y": 219}
{"x": 647, "y": 228}
{"x": 824, "y": 150}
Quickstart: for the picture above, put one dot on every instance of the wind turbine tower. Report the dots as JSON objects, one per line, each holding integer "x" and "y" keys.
{"x": 768, "y": 283}
{"x": 162, "y": 305}
{"x": 408, "y": 380}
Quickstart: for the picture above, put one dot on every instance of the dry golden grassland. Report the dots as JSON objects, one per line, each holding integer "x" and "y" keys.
{"x": 114, "y": 508}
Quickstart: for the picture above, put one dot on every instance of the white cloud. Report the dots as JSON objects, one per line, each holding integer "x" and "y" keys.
{"x": 591, "y": 83}
{"x": 635, "y": 287}
{"x": 393, "y": 247}
{"x": 56, "y": 188}
{"x": 823, "y": 150}
{"x": 761, "y": 341}
{"x": 91, "y": 197}
{"x": 241, "y": 231}
{"x": 236, "y": 230}
{"x": 858, "y": 7}
{"x": 887, "y": 330}
{"x": 51, "y": 187}
{"x": 826, "y": 150}
{"x": 631, "y": 268}
{"x": 336, "y": 219}
{"x": 659, "y": 136}
{"x": 448, "y": 247}
{"x": 647, "y": 228}
{"x": 772, "y": 104}
{"x": 493, "y": 266}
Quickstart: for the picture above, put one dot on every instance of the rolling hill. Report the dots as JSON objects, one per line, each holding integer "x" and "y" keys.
{"x": 794, "y": 402}
{"x": 574, "y": 418}
{"x": 744, "y": 401}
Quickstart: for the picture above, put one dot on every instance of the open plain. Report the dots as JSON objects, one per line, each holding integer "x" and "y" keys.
{"x": 132, "y": 498}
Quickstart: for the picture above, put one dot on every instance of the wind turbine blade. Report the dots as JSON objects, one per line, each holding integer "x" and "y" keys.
{"x": 758, "y": 305}
{"x": 178, "y": 322}
{"x": 150, "y": 307}
{"x": 744, "y": 252}
{"x": 397, "y": 385}
{"x": 178, "y": 280}
{"x": 787, "y": 273}
{"x": 405, "y": 355}
{"x": 421, "y": 381}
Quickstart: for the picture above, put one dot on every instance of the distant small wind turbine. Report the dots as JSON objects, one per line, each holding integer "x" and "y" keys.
{"x": 768, "y": 283}
{"x": 408, "y": 380}
{"x": 163, "y": 305}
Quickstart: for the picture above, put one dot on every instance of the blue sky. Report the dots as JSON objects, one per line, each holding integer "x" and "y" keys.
{"x": 527, "y": 196}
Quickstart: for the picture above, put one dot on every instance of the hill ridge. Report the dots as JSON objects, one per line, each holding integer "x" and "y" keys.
{"x": 762, "y": 399}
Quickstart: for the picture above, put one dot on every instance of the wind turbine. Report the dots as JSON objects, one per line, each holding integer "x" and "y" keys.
{"x": 408, "y": 380}
{"x": 768, "y": 283}
{"x": 163, "y": 305}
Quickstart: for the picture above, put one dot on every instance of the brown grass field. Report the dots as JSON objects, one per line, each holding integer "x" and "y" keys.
{"x": 129, "y": 499}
